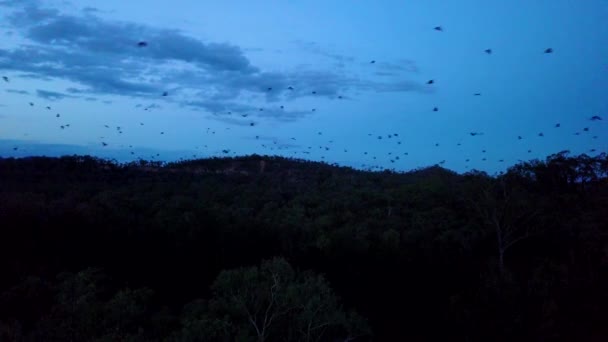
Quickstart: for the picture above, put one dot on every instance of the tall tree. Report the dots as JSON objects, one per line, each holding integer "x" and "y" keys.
{"x": 273, "y": 301}
{"x": 507, "y": 209}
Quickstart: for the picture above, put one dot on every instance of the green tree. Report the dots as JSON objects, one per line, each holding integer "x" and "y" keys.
{"x": 507, "y": 209}
{"x": 125, "y": 314}
{"x": 273, "y": 302}
{"x": 78, "y": 311}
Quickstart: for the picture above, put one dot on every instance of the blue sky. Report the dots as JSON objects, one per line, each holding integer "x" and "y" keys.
{"x": 296, "y": 78}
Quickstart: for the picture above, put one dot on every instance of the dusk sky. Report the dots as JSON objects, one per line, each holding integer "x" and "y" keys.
{"x": 343, "y": 82}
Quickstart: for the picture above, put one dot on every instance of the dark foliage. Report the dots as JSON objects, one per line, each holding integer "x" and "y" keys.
{"x": 210, "y": 250}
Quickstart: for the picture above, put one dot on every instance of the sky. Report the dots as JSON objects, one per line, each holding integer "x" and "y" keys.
{"x": 324, "y": 80}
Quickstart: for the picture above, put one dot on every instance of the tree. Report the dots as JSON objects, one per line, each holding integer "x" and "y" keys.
{"x": 125, "y": 314}
{"x": 507, "y": 209}
{"x": 273, "y": 302}
{"x": 77, "y": 312}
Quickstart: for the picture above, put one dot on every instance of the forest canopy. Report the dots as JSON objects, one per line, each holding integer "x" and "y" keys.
{"x": 265, "y": 248}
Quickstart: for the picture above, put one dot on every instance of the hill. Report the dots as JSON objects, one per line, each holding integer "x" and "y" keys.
{"x": 92, "y": 249}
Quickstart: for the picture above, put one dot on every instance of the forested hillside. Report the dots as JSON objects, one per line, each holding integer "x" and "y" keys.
{"x": 270, "y": 249}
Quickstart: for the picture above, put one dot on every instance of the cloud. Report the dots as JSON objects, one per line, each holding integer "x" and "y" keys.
{"x": 396, "y": 69}
{"x": 223, "y": 110}
{"x": 104, "y": 55}
{"x": 90, "y": 10}
{"x": 403, "y": 65}
{"x": 103, "y": 58}
{"x": 29, "y": 148}
{"x": 49, "y": 26}
{"x": 72, "y": 90}
{"x": 285, "y": 115}
{"x": 221, "y": 107}
{"x": 234, "y": 121}
{"x": 396, "y": 86}
{"x": 315, "y": 48}
{"x": 52, "y": 95}
{"x": 16, "y": 91}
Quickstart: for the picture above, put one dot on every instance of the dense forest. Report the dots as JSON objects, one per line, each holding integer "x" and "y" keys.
{"x": 265, "y": 248}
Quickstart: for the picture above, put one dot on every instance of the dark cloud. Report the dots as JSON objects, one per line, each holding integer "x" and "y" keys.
{"x": 16, "y": 91}
{"x": 52, "y": 95}
{"x": 94, "y": 35}
{"x": 221, "y": 107}
{"x": 90, "y": 10}
{"x": 285, "y": 115}
{"x": 72, "y": 90}
{"x": 383, "y": 68}
{"x": 397, "y": 69}
{"x": 315, "y": 48}
{"x": 12, "y": 3}
{"x": 401, "y": 66}
{"x": 103, "y": 58}
{"x": 223, "y": 110}
{"x": 104, "y": 55}
{"x": 107, "y": 75}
